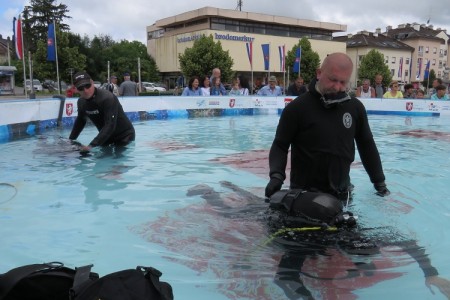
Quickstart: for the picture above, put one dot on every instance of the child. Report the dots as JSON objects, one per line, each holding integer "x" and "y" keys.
{"x": 215, "y": 88}
{"x": 235, "y": 90}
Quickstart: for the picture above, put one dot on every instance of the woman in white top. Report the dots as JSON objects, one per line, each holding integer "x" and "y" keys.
{"x": 205, "y": 86}
{"x": 243, "y": 85}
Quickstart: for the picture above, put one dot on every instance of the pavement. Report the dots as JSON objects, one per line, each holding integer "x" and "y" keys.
{"x": 20, "y": 95}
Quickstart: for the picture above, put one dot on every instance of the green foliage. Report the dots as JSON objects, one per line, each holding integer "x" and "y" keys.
{"x": 309, "y": 63}
{"x": 428, "y": 82}
{"x": 36, "y": 18}
{"x": 203, "y": 57}
{"x": 372, "y": 64}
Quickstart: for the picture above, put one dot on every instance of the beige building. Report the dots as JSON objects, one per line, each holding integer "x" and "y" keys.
{"x": 397, "y": 55}
{"x": 169, "y": 37}
{"x": 430, "y": 45}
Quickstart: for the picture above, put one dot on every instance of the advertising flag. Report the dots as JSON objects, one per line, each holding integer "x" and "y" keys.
{"x": 282, "y": 57}
{"x": 426, "y": 73}
{"x": 17, "y": 31}
{"x": 250, "y": 52}
{"x": 400, "y": 68}
{"x": 266, "y": 55}
{"x": 419, "y": 68}
{"x": 298, "y": 58}
{"x": 51, "y": 47}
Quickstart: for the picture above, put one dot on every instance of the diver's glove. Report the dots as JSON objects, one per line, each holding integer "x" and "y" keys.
{"x": 382, "y": 189}
{"x": 273, "y": 186}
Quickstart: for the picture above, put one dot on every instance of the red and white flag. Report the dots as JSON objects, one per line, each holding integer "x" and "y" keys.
{"x": 17, "y": 30}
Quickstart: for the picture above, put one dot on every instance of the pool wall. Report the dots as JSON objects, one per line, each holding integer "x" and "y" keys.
{"x": 21, "y": 118}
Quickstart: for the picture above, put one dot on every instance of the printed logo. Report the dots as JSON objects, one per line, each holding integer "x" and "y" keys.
{"x": 409, "y": 106}
{"x": 214, "y": 103}
{"x": 258, "y": 103}
{"x": 69, "y": 109}
{"x": 232, "y": 102}
{"x": 201, "y": 103}
{"x": 347, "y": 120}
{"x": 287, "y": 101}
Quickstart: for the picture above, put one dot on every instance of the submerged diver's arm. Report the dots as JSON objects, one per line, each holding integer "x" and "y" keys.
{"x": 430, "y": 272}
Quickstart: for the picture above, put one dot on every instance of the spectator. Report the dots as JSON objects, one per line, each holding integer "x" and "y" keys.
{"x": 365, "y": 91}
{"x": 420, "y": 94}
{"x": 112, "y": 86}
{"x": 409, "y": 91}
{"x": 72, "y": 91}
{"x": 258, "y": 85}
{"x": 380, "y": 89}
{"x": 235, "y": 89}
{"x": 394, "y": 91}
{"x": 193, "y": 88}
{"x": 297, "y": 88}
{"x": 205, "y": 86}
{"x": 272, "y": 89}
{"x": 217, "y": 88}
{"x": 243, "y": 85}
{"x": 435, "y": 83}
{"x": 128, "y": 87}
{"x": 441, "y": 93}
{"x": 105, "y": 111}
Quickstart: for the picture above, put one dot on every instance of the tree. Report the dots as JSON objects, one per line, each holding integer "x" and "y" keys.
{"x": 203, "y": 57}
{"x": 36, "y": 18}
{"x": 372, "y": 64}
{"x": 309, "y": 63}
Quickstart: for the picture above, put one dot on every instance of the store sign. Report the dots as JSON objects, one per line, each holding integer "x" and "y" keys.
{"x": 217, "y": 36}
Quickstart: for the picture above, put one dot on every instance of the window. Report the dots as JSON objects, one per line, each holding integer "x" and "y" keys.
{"x": 440, "y": 64}
{"x": 426, "y": 50}
{"x": 420, "y": 50}
{"x": 393, "y": 59}
{"x": 406, "y": 73}
{"x": 407, "y": 61}
{"x": 386, "y": 59}
{"x": 392, "y": 72}
{"x": 433, "y": 62}
{"x": 439, "y": 74}
{"x": 434, "y": 50}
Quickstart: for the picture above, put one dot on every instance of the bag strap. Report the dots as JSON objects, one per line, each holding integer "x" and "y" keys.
{"x": 12, "y": 277}
{"x": 154, "y": 275}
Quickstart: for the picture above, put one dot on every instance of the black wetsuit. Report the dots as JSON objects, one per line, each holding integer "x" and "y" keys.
{"x": 106, "y": 112}
{"x": 322, "y": 142}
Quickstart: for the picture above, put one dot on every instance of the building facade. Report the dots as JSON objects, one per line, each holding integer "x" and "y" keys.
{"x": 431, "y": 45}
{"x": 169, "y": 37}
{"x": 397, "y": 55}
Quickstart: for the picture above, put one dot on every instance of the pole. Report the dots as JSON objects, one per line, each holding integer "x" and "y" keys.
{"x": 30, "y": 66}
{"x": 23, "y": 64}
{"x": 269, "y": 63}
{"x": 109, "y": 75}
{"x": 139, "y": 74}
{"x": 56, "y": 54}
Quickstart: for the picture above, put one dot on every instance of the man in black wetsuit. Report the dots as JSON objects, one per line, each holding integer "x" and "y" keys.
{"x": 321, "y": 127}
{"x": 105, "y": 111}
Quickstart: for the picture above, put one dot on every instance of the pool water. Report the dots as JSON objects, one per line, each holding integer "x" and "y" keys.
{"x": 145, "y": 206}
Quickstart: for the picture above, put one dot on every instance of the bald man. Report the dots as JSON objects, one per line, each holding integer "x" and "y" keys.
{"x": 321, "y": 128}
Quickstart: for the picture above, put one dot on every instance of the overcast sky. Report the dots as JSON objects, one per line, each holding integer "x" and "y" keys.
{"x": 128, "y": 19}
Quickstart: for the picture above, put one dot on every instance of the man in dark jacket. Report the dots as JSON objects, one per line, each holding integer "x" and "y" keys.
{"x": 297, "y": 88}
{"x": 321, "y": 128}
{"x": 105, "y": 111}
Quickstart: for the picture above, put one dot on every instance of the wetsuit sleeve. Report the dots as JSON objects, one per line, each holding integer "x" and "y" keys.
{"x": 419, "y": 255}
{"x": 286, "y": 130}
{"x": 367, "y": 148}
{"x": 110, "y": 108}
{"x": 79, "y": 123}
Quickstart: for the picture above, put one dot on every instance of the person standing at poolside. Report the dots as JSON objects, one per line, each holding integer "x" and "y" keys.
{"x": 441, "y": 93}
{"x": 272, "y": 89}
{"x": 105, "y": 111}
{"x": 297, "y": 88}
{"x": 112, "y": 86}
{"x": 365, "y": 91}
{"x": 128, "y": 87}
{"x": 380, "y": 89}
{"x": 321, "y": 128}
{"x": 193, "y": 88}
{"x": 394, "y": 92}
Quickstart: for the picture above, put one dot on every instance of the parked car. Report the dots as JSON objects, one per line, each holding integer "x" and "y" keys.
{"x": 36, "y": 85}
{"x": 152, "y": 87}
{"x": 97, "y": 84}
